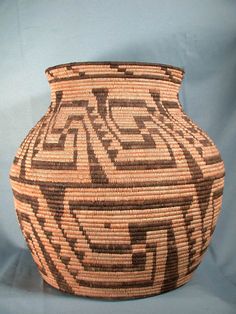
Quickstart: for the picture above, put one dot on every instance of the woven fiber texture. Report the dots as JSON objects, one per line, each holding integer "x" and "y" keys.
{"x": 116, "y": 189}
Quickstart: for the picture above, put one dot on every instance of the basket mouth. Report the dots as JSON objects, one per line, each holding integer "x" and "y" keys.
{"x": 108, "y": 70}
{"x": 99, "y": 63}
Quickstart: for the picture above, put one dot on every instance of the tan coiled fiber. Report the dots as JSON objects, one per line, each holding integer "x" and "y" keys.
{"x": 116, "y": 190}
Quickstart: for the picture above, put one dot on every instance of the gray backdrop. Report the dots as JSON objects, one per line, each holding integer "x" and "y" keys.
{"x": 197, "y": 35}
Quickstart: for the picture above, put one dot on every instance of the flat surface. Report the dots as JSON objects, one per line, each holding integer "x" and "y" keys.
{"x": 198, "y": 36}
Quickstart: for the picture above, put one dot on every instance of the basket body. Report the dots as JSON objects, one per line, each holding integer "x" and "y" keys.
{"x": 117, "y": 191}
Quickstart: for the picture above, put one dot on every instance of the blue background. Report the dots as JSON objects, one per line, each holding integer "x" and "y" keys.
{"x": 199, "y": 36}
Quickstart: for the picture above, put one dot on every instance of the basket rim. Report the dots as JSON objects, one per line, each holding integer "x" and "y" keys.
{"x": 140, "y": 63}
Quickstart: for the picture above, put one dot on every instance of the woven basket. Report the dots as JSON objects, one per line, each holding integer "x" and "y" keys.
{"x": 116, "y": 189}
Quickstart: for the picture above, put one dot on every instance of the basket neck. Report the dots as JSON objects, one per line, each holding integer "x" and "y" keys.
{"x": 134, "y": 81}
{"x": 93, "y": 70}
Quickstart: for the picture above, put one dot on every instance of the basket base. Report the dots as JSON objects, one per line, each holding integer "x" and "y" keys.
{"x": 117, "y": 294}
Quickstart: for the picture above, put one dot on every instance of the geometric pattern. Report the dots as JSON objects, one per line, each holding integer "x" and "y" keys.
{"x": 117, "y": 191}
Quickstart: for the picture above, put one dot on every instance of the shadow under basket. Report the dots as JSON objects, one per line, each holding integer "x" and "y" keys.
{"x": 116, "y": 189}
